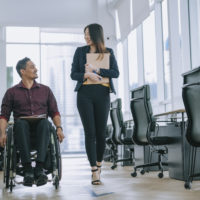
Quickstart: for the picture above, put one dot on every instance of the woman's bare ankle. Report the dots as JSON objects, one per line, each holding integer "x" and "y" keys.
{"x": 93, "y": 167}
{"x": 99, "y": 164}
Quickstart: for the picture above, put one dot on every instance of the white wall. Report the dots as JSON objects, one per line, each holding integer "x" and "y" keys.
{"x": 2, "y": 63}
{"x": 60, "y": 13}
{"x": 106, "y": 19}
{"x": 47, "y": 13}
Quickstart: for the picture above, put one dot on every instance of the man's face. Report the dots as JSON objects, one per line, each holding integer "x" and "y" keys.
{"x": 30, "y": 72}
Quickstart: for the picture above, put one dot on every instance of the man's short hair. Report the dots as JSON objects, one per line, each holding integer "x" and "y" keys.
{"x": 22, "y": 65}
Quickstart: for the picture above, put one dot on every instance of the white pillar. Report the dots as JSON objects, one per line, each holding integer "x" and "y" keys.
{"x": 185, "y": 36}
{"x": 140, "y": 55}
{"x": 126, "y": 102}
{"x": 175, "y": 55}
{"x": 159, "y": 58}
{"x": 3, "y": 74}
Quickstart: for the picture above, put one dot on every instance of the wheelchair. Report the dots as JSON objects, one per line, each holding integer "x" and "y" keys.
{"x": 12, "y": 165}
{"x": 1, "y": 158}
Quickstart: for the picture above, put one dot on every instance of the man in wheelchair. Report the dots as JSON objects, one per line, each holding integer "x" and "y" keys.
{"x": 28, "y": 100}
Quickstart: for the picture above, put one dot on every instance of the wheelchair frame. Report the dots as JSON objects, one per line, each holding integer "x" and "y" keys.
{"x": 11, "y": 157}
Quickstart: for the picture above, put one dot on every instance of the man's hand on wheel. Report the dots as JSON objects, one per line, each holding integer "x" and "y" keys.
{"x": 60, "y": 135}
{"x": 3, "y": 140}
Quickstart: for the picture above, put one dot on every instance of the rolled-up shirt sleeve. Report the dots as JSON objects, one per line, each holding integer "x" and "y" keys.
{"x": 7, "y": 105}
{"x": 52, "y": 105}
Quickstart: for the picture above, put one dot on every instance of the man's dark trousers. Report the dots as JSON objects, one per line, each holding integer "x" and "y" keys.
{"x": 25, "y": 131}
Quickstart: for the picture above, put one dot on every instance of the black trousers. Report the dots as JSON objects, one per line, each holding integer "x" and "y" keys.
{"x": 93, "y": 102}
{"x": 32, "y": 134}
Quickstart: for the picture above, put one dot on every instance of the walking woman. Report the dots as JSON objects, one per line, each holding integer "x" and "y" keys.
{"x": 93, "y": 100}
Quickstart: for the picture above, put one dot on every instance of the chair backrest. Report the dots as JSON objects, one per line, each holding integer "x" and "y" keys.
{"x": 117, "y": 120}
{"x": 192, "y": 76}
{"x": 191, "y": 99}
{"x": 142, "y": 114}
{"x": 109, "y": 131}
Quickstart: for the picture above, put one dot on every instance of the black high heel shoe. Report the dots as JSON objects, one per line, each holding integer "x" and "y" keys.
{"x": 97, "y": 181}
{"x": 99, "y": 168}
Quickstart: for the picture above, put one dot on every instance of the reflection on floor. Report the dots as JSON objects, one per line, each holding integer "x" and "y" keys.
{"x": 117, "y": 185}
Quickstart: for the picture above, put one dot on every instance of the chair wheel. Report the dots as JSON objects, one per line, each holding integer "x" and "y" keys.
{"x": 134, "y": 174}
{"x": 114, "y": 166}
{"x": 142, "y": 172}
{"x": 187, "y": 185}
{"x": 160, "y": 175}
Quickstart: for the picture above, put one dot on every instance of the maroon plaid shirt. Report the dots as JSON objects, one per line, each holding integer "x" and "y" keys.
{"x": 37, "y": 100}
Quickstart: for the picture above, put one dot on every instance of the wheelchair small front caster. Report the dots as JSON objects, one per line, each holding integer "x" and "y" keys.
{"x": 187, "y": 185}
{"x": 160, "y": 175}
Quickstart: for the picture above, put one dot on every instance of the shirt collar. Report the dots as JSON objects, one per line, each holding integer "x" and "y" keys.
{"x": 21, "y": 85}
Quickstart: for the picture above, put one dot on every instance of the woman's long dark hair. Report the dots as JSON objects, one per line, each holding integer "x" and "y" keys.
{"x": 97, "y": 37}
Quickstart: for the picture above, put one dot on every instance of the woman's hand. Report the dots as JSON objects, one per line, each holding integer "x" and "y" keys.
{"x": 90, "y": 68}
{"x": 92, "y": 76}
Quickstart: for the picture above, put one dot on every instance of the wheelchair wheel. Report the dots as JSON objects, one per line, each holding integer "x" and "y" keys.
{"x": 56, "y": 158}
{"x": 1, "y": 158}
{"x": 57, "y": 154}
{"x": 8, "y": 158}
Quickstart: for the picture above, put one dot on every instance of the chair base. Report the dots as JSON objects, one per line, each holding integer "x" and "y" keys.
{"x": 116, "y": 160}
{"x": 159, "y": 164}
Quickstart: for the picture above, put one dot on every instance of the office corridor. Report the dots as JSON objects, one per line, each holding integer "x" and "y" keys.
{"x": 117, "y": 185}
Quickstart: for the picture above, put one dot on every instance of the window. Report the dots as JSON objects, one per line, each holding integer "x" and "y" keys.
{"x": 52, "y": 53}
{"x": 167, "y": 71}
{"x": 179, "y": 16}
{"x": 61, "y": 37}
{"x": 117, "y": 30}
{"x": 194, "y": 16}
{"x": 22, "y": 34}
{"x": 132, "y": 55}
{"x": 121, "y": 70}
{"x": 56, "y": 68}
{"x": 15, "y": 52}
{"x": 149, "y": 47}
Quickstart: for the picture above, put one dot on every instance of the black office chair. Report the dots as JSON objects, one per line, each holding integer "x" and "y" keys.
{"x": 108, "y": 156}
{"x": 119, "y": 133}
{"x": 144, "y": 132}
{"x": 191, "y": 99}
